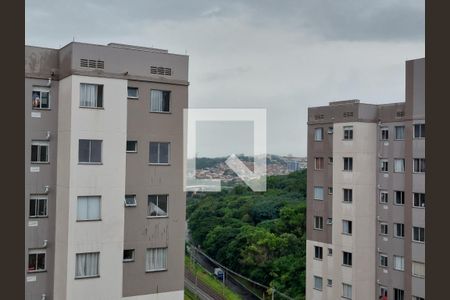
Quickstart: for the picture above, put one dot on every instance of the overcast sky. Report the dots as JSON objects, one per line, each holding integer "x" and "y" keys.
{"x": 280, "y": 55}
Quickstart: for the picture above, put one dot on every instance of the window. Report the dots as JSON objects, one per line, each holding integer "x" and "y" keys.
{"x": 128, "y": 255}
{"x": 330, "y": 130}
{"x": 418, "y": 269}
{"x": 318, "y": 283}
{"x": 348, "y": 195}
{"x": 348, "y": 132}
{"x": 346, "y": 291}
{"x": 318, "y": 163}
{"x": 39, "y": 152}
{"x": 418, "y": 234}
{"x": 399, "y": 294}
{"x": 156, "y": 259}
{"x": 159, "y": 101}
{"x": 329, "y": 221}
{"x": 36, "y": 260}
{"x": 330, "y": 282}
{"x": 419, "y": 165}
{"x": 330, "y": 160}
{"x": 419, "y": 131}
{"x": 133, "y": 92}
{"x": 318, "y": 193}
{"x": 399, "y": 230}
{"x": 384, "y": 228}
{"x": 91, "y": 95}
{"x": 130, "y": 200}
{"x": 159, "y": 153}
{"x": 88, "y": 208}
{"x": 132, "y": 146}
{"x": 157, "y": 205}
{"x": 399, "y": 165}
{"x": 90, "y": 151}
{"x": 419, "y": 200}
{"x": 383, "y": 260}
{"x": 384, "y": 165}
{"x": 346, "y": 227}
{"x": 40, "y": 98}
{"x": 330, "y": 190}
{"x": 399, "y": 197}
{"x": 384, "y": 133}
{"x": 399, "y": 263}
{"x": 87, "y": 265}
{"x": 417, "y": 298}
{"x": 383, "y": 291}
{"x": 318, "y": 252}
{"x": 330, "y": 252}
{"x": 38, "y": 206}
{"x": 346, "y": 258}
{"x": 399, "y": 132}
{"x": 348, "y": 163}
{"x": 384, "y": 197}
{"x": 318, "y": 223}
{"x": 318, "y": 134}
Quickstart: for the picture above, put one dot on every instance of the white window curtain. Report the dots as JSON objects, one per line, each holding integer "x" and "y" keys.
{"x": 156, "y": 259}
{"x": 347, "y": 291}
{"x": 399, "y": 263}
{"x": 87, "y": 264}
{"x": 399, "y": 165}
{"x": 418, "y": 269}
{"x": 156, "y": 101}
{"x": 318, "y": 134}
{"x": 318, "y": 282}
{"x": 88, "y": 95}
{"x": 318, "y": 193}
{"x": 88, "y": 208}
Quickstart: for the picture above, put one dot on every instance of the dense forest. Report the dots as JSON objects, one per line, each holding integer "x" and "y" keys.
{"x": 260, "y": 235}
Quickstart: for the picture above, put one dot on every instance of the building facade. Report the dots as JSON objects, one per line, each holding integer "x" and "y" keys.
{"x": 105, "y": 207}
{"x": 366, "y": 197}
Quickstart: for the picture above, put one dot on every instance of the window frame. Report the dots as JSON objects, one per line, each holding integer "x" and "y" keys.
{"x": 399, "y": 294}
{"x": 349, "y": 227}
{"x": 90, "y": 152}
{"x": 421, "y": 131}
{"x": 157, "y": 199}
{"x": 403, "y": 165}
{"x": 90, "y": 197}
{"x": 385, "y": 225}
{"x": 347, "y": 193}
{"x": 40, "y": 144}
{"x": 421, "y": 166}
{"x": 100, "y": 92}
{"x": 38, "y": 198}
{"x": 126, "y": 260}
{"x": 317, "y": 129}
{"x": 347, "y": 259}
{"x": 348, "y": 164}
{"x": 421, "y": 201}
{"x": 316, "y": 219}
{"x": 159, "y": 154}
{"x": 135, "y": 146}
{"x": 384, "y": 197}
{"x": 318, "y": 279}
{"x": 383, "y": 130}
{"x": 40, "y": 90}
{"x": 347, "y": 133}
{"x": 402, "y": 263}
{"x": 402, "y": 226}
{"x": 134, "y": 204}
{"x": 98, "y": 265}
{"x": 402, "y": 198}
{"x": 319, "y": 163}
{"x": 413, "y": 263}
{"x": 318, "y": 252}
{"x": 318, "y": 188}
{"x": 169, "y": 100}
{"x": 132, "y": 97}
{"x": 37, "y": 252}
{"x": 396, "y": 137}
{"x": 420, "y": 234}
{"x": 157, "y": 269}
{"x": 384, "y": 162}
{"x": 345, "y": 288}
{"x": 383, "y": 260}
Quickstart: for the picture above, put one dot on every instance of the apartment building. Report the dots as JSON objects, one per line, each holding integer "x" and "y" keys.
{"x": 366, "y": 197}
{"x": 105, "y": 207}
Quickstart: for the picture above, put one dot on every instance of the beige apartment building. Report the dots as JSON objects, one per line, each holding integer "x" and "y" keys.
{"x": 366, "y": 197}
{"x": 105, "y": 207}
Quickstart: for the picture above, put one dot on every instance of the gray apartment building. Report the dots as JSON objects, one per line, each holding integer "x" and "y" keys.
{"x": 105, "y": 206}
{"x": 366, "y": 197}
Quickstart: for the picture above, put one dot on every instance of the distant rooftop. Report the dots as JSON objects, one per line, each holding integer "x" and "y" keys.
{"x": 340, "y": 102}
{"x": 132, "y": 47}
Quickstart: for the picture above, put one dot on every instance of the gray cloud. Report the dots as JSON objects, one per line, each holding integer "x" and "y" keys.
{"x": 280, "y": 55}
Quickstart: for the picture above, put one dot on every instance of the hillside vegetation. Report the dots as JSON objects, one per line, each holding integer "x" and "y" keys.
{"x": 260, "y": 235}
